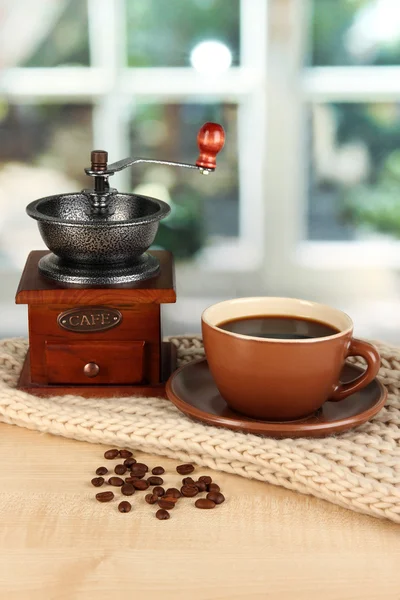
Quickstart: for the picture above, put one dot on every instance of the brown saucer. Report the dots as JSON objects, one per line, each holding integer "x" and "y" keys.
{"x": 192, "y": 389}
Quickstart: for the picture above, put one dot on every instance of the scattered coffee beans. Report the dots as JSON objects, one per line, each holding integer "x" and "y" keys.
{"x": 201, "y": 486}
{"x": 155, "y": 480}
{"x": 158, "y": 470}
{"x": 185, "y": 469}
{"x": 140, "y": 475}
{"x": 111, "y": 454}
{"x": 127, "y": 489}
{"x": 216, "y": 497}
{"x": 140, "y": 484}
{"x": 142, "y": 467}
{"x": 104, "y": 496}
{"x": 213, "y": 487}
{"x": 204, "y": 503}
{"x": 131, "y": 479}
{"x": 167, "y": 503}
{"x": 125, "y": 453}
{"x": 120, "y": 469}
{"x": 166, "y": 500}
{"x": 124, "y": 506}
{"x": 207, "y": 480}
{"x": 162, "y": 515}
{"x": 139, "y": 469}
{"x": 189, "y": 491}
{"x": 97, "y": 481}
{"x": 102, "y": 471}
{"x": 188, "y": 481}
{"x": 117, "y": 481}
{"x": 151, "y": 498}
{"x": 173, "y": 492}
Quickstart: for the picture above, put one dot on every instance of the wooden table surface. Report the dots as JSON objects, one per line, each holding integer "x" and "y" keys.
{"x": 58, "y": 543}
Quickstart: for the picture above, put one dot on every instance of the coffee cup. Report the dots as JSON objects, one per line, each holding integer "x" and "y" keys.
{"x": 280, "y": 359}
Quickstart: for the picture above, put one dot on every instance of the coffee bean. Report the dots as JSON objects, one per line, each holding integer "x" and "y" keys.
{"x": 124, "y": 506}
{"x": 128, "y": 462}
{"x": 104, "y": 496}
{"x": 155, "y": 480}
{"x": 125, "y": 453}
{"x": 166, "y": 503}
{"x": 159, "y": 491}
{"x": 171, "y": 499}
{"x": 185, "y": 469}
{"x": 204, "y": 503}
{"x": 116, "y": 481}
{"x": 216, "y": 497}
{"x": 127, "y": 489}
{"x": 158, "y": 470}
{"x": 213, "y": 487}
{"x": 207, "y": 480}
{"x": 163, "y": 515}
{"x": 151, "y": 498}
{"x": 139, "y": 469}
{"x": 201, "y": 486}
{"x": 188, "y": 481}
{"x": 189, "y": 491}
{"x": 120, "y": 469}
{"x": 131, "y": 479}
{"x": 140, "y": 484}
{"x": 111, "y": 454}
{"x": 138, "y": 475}
{"x": 97, "y": 481}
{"x": 142, "y": 466}
{"x": 173, "y": 492}
{"x": 101, "y": 471}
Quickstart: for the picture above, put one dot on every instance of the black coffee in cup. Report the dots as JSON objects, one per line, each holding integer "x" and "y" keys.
{"x": 278, "y": 327}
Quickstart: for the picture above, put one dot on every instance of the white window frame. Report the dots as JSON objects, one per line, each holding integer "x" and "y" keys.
{"x": 333, "y": 271}
{"x": 272, "y": 90}
{"x": 112, "y": 87}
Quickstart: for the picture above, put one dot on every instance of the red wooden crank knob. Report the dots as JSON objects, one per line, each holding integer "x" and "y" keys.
{"x": 210, "y": 139}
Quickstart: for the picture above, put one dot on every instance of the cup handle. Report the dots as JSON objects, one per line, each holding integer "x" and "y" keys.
{"x": 371, "y": 355}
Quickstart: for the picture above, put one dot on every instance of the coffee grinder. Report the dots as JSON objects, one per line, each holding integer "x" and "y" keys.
{"x": 94, "y": 302}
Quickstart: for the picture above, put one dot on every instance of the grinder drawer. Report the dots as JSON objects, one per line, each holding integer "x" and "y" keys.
{"x": 94, "y": 363}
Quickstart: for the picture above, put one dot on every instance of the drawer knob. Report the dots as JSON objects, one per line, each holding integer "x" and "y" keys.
{"x": 91, "y": 369}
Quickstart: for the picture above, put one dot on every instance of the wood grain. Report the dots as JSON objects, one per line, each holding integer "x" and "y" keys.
{"x": 140, "y": 322}
{"x": 120, "y": 363}
{"x": 154, "y": 390}
{"x": 34, "y": 288}
{"x": 264, "y": 543}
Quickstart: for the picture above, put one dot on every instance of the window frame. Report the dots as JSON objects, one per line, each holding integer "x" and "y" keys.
{"x": 111, "y": 87}
{"x": 272, "y": 89}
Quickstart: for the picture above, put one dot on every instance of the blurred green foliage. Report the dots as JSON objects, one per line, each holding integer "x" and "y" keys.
{"x": 68, "y": 41}
{"x": 164, "y": 32}
{"x": 330, "y": 23}
{"x": 375, "y": 203}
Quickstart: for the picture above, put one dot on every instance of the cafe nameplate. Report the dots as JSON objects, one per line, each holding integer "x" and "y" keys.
{"x": 90, "y": 319}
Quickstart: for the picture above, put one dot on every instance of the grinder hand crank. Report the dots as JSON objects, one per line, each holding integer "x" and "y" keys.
{"x": 210, "y": 139}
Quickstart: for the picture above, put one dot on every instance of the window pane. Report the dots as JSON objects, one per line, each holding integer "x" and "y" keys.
{"x": 203, "y": 207}
{"x": 355, "y": 32}
{"x": 355, "y": 171}
{"x": 161, "y": 33}
{"x": 43, "y": 151}
{"x": 57, "y": 35}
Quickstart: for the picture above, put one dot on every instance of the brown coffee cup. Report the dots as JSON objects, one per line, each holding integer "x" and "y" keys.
{"x": 276, "y": 379}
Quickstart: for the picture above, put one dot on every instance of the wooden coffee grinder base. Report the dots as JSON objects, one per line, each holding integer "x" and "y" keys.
{"x": 96, "y": 342}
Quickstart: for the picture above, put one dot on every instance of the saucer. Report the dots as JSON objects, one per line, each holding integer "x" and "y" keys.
{"x": 192, "y": 389}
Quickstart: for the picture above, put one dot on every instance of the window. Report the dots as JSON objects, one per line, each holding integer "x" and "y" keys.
{"x": 304, "y": 201}
{"x": 353, "y": 126}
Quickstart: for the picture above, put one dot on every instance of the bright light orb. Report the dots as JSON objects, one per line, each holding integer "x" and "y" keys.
{"x": 211, "y": 57}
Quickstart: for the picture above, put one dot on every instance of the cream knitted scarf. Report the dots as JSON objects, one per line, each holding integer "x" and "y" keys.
{"x": 359, "y": 469}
